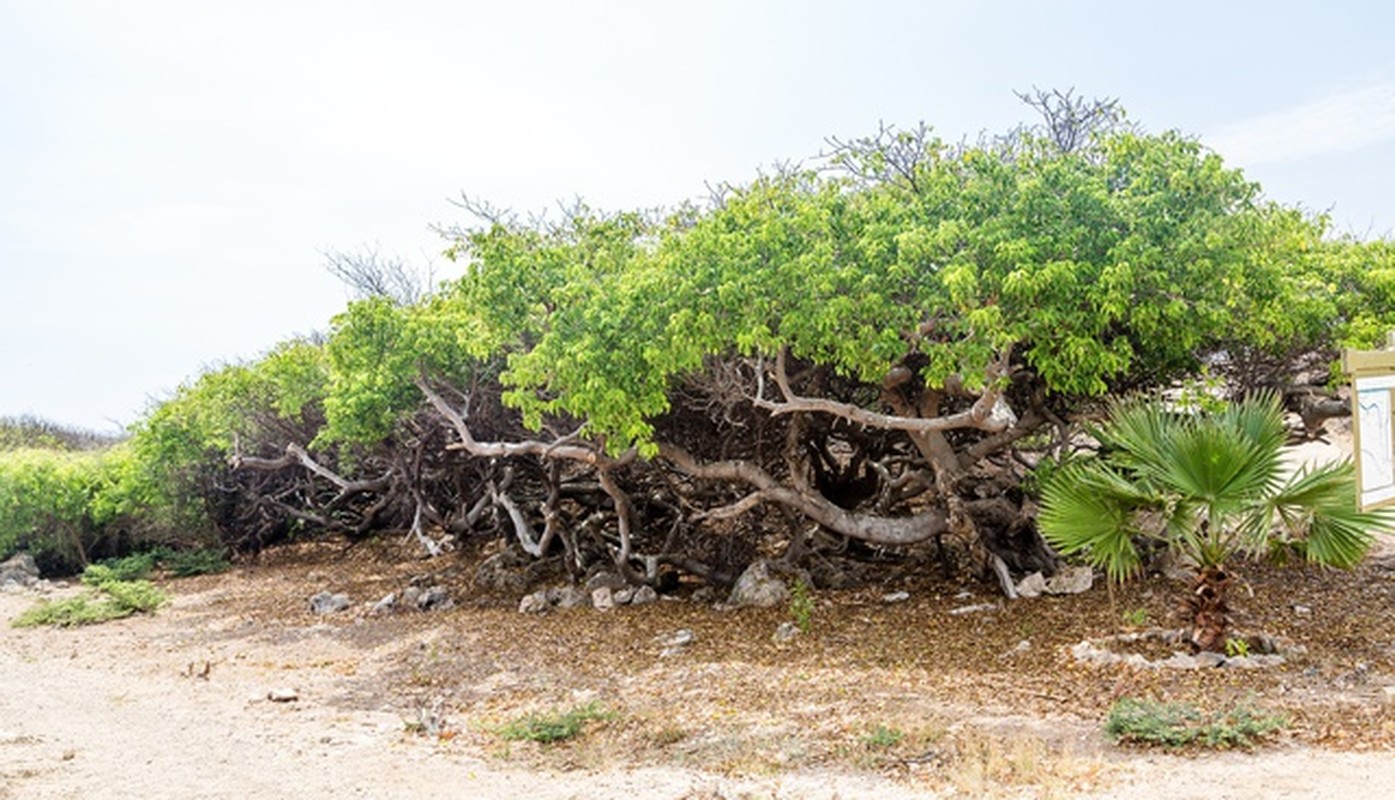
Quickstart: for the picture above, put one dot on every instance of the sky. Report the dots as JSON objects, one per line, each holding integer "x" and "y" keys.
{"x": 174, "y": 174}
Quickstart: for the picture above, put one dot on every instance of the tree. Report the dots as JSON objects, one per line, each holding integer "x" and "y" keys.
{"x": 1209, "y": 486}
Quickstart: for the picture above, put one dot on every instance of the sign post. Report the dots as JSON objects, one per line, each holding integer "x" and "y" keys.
{"x": 1373, "y": 424}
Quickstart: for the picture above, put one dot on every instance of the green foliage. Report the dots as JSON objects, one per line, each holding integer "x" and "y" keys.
{"x": 802, "y": 606}
{"x": 1210, "y": 485}
{"x": 1136, "y": 617}
{"x": 551, "y": 727}
{"x": 127, "y": 568}
{"x": 112, "y": 600}
{"x": 883, "y": 738}
{"x": 1237, "y": 648}
{"x": 1176, "y": 725}
{"x": 186, "y": 563}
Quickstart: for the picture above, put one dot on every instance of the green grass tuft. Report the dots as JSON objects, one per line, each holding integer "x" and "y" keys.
{"x": 112, "y": 600}
{"x": 557, "y": 726}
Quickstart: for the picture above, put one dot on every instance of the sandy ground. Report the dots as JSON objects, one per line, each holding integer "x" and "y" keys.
{"x": 120, "y": 710}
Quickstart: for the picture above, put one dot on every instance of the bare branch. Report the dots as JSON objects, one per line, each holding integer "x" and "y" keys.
{"x": 866, "y": 527}
{"x": 989, "y": 413}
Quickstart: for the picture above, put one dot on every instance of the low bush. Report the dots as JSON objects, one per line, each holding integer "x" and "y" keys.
{"x": 1176, "y": 725}
{"x": 547, "y": 728}
{"x": 111, "y": 600}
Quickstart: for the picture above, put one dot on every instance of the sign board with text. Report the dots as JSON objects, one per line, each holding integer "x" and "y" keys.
{"x": 1373, "y": 424}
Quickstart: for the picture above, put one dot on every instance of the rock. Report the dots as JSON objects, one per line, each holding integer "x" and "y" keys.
{"x": 1254, "y": 661}
{"x": 572, "y": 597}
{"x": 605, "y": 579}
{"x": 410, "y": 595}
{"x": 643, "y": 596}
{"x": 603, "y": 598}
{"x": 435, "y": 598}
{"x": 283, "y": 695}
{"x": 705, "y": 595}
{"x": 1033, "y": 585}
{"x": 973, "y": 609}
{"x": 1208, "y": 659}
{"x": 1387, "y": 695}
{"x": 1071, "y": 580}
{"x": 786, "y": 632}
{"x": 326, "y": 603}
{"x": 20, "y": 570}
{"x": 679, "y": 638}
{"x": 896, "y": 597}
{"x": 757, "y": 587}
{"x": 1024, "y": 646}
{"x": 384, "y": 606}
{"x": 535, "y": 603}
{"x": 1302, "y": 611}
{"x": 622, "y": 596}
{"x": 505, "y": 572}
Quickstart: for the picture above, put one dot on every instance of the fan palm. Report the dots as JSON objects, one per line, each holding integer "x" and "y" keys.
{"x": 1211, "y": 486}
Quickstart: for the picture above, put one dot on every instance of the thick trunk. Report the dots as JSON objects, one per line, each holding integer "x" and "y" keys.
{"x": 1208, "y": 609}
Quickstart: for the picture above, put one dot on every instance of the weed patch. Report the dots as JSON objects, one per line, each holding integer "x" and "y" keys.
{"x": 1177, "y": 725}
{"x": 112, "y": 600}
{"x": 550, "y": 727}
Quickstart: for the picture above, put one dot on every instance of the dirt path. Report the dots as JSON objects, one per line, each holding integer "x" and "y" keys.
{"x": 122, "y": 710}
{"x": 110, "y": 711}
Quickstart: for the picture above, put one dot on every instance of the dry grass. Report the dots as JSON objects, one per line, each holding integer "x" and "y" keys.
{"x": 979, "y": 715}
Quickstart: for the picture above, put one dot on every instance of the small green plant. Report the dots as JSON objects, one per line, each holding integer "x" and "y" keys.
{"x": 1136, "y": 618}
{"x": 1237, "y": 648}
{"x": 184, "y": 563}
{"x": 550, "y": 727}
{"x": 801, "y": 606}
{"x": 112, "y": 600}
{"x": 883, "y": 737}
{"x": 1178, "y": 725}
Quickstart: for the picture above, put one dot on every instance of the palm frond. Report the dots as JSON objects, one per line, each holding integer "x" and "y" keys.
{"x": 1089, "y": 509}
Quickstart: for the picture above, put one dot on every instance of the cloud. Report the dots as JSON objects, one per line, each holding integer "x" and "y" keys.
{"x": 1341, "y": 122}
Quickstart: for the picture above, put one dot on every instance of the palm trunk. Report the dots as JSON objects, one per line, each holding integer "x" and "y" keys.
{"x": 1207, "y": 607}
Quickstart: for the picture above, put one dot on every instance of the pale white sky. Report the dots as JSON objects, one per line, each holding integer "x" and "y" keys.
{"x": 172, "y": 172}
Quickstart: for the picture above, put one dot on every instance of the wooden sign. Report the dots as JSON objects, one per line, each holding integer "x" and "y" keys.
{"x": 1373, "y": 424}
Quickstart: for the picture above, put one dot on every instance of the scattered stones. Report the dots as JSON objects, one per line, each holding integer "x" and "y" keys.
{"x": 896, "y": 597}
{"x": 786, "y": 632}
{"x": 283, "y": 695}
{"x": 327, "y": 603}
{"x": 1097, "y": 651}
{"x": 1071, "y": 580}
{"x": 644, "y": 595}
{"x": 757, "y": 587}
{"x": 603, "y": 598}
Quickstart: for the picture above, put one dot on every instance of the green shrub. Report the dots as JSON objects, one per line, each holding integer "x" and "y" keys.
{"x": 801, "y": 607}
{"x": 547, "y": 728}
{"x": 112, "y": 600}
{"x": 882, "y": 738}
{"x": 129, "y": 568}
{"x": 204, "y": 561}
{"x": 1178, "y": 725}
